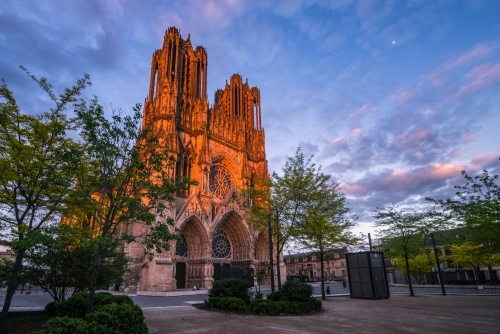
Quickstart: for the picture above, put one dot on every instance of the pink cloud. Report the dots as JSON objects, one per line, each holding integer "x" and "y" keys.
{"x": 403, "y": 180}
{"x": 480, "y": 76}
{"x": 352, "y": 189}
{"x": 479, "y": 51}
{"x": 355, "y": 132}
{"x": 338, "y": 144}
{"x": 481, "y": 159}
{"x": 403, "y": 95}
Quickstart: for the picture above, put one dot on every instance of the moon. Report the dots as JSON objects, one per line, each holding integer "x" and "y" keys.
{"x": 393, "y": 42}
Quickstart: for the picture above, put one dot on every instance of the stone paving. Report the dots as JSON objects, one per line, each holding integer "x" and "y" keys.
{"x": 39, "y": 299}
{"x": 454, "y": 314}
{"x": 437, "y": 290}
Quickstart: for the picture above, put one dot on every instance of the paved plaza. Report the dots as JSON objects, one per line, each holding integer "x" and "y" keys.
{"x": 399, "y": 314}
{"x": 425, "y": 313}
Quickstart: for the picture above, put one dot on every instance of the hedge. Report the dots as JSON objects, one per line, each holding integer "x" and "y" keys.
{"x": 76, "y": 306}
{"x": 112, "y": 314}
{"x": 231, "y": 304}
{"x": 284, "y": 307}
{"x": 231, "y": 287}
{"x": 65, "y": 325}
{"x": 117, "y": 319}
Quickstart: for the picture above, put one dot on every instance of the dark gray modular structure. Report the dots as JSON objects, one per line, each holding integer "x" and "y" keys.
{"x": 367, "y": 277}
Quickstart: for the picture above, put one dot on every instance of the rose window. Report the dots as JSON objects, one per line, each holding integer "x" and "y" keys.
{"x": 220, "y": 181}
{"x": 221, "y": 248}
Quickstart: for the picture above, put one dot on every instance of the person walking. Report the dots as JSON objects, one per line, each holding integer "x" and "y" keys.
{"x": 328, "y": 290}
{"x": 344, "y": 282}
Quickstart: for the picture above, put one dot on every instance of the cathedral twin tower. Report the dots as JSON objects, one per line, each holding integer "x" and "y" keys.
{"x": 222, "y": 146}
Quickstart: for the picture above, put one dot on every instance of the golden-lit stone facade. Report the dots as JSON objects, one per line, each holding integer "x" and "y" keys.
{"x": 222, "y": 146}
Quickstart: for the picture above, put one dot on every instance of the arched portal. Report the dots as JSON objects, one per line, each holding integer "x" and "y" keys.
{"x": 234, "y": 227}
{"x": 262, "y": 247}
{"x": 232, "y": 249}
{"x": 192, "y": 265}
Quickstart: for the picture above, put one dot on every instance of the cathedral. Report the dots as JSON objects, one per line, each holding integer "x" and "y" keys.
{"x": 221, "y": 146}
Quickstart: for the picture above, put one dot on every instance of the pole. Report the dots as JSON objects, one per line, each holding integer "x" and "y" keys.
{"x": 438, "y": 266}
{"x": 270, "y": 250}
{"x": 370, "y": 241}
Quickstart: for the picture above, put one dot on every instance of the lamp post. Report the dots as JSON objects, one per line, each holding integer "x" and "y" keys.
{"x": 271, "y": 250}
{"x": 437, "y": 263}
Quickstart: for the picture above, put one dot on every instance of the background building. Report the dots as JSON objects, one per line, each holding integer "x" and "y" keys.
{"x": 335, "y": 266}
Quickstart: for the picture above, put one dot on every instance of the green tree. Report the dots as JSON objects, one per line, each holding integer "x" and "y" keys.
{"x": 468, "y": 254}
{"x": 324, "y": 225}
{"x": 61, "y": 262}
{"x": 261, "y": 271}
{"x": 284, "y": 199}
{"x": 37, "y": 164}
{"x": 419, "y": 265}
{"x": 476, "y": 208}
{"x": 402, "y": 233}
{"x": 6, "y": 266}
{"x": 127, "y": 176}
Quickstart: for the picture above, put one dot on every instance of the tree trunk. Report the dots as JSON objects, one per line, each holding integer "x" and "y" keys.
{"x": 322, "y": 266}
{"x": 93, "y": 279}
{"x": 10, "y": 290}
{"x": 408, "y": 276}
{"x": 278, "y": 274}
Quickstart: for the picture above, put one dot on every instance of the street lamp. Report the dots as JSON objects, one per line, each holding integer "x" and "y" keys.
{"x": 437, "y": 263}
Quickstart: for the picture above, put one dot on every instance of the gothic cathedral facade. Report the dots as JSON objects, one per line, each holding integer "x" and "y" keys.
{"x": 222, "y": 146}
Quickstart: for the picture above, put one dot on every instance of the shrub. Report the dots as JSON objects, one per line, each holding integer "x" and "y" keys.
{"x": 212, "y": 302}
{"x": 284, "y": 307}
{"x": 231, "y": 304}
{"x": 117, "y": 319}
{"x": 259, "y": 295}
{"x": 76, "y": 306}
{"x": 275, "y": 296}
{"x": 296, "y": 291}
{"x": 50, "y": 308}
{"x": 65, "y": 325}
{"x": 231, "y": 287}
{"x": 261, "y": 306}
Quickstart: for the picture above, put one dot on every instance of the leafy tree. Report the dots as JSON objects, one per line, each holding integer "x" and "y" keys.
{"x": 61, "y": 262}
{"x": 419, "y": 265}
{"x": 284, "y": 198}
{"x": 127, "y": 176}
{"x": 324, "y": 225}
{"x": 6, "y": 266}
{"x": 476, "y": 207}
{"x": 37, "y": 164}
{"x": 468, "y": 254}
{"x": 262, "y": 270}
{"x": 401, "y": 232}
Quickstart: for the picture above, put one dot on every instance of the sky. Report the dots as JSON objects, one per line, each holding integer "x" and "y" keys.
{"x": 393, "y": 98}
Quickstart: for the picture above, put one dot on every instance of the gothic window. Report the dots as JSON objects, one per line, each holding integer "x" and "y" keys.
{"x": 236, "y": 101}
{"x": 155, "y": 82}
{"x": 255, "y": 113}
{"x": 174, "y": 54}
{"x": 181, "y": 249}
{"x": 221, "y": 247}
{"x": 220, "y": 181}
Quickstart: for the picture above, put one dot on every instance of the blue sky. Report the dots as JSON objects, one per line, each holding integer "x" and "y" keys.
{"x": 393, "y": 98}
